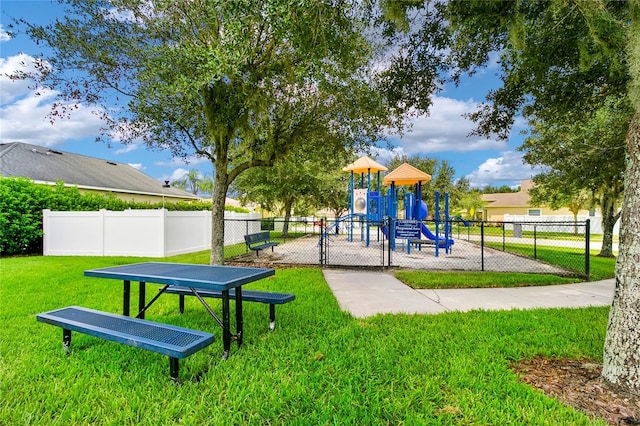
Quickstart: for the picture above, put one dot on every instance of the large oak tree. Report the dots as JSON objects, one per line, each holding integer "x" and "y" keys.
{"x": 217, "y": 79}
{"x": 557, "y": 57}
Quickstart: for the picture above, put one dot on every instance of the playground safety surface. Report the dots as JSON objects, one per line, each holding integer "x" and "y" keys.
{"x": 340, "y": 252}
{"x": 365, "y": 293}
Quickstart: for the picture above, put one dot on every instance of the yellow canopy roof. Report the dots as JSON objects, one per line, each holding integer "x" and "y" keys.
{"x": 406, "y": 174}
{"x": 364, "y": 165}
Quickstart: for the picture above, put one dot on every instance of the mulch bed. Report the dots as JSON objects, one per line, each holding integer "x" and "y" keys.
{"x": 578, "y": 384}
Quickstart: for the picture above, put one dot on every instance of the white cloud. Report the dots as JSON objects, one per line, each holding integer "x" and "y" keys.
{"x": 445, "y": 130}
{"x": 508, "y": 169}
{"x": 4, "y": 36}
{"x": 125, "y": 14}
{"x": 178, "y": 174}
{"x": 14, "y": 89}
{"x": 137, "y": 166}
{"x": 189, "y": 161}
{"x": 384, "y": 155}
{"x": 445, "y": 133}
{"x": 493, "y": 65}
{"x": 24, "y": 112}
{"x": 26, "y": 121}
{"x": 127, "y": 148}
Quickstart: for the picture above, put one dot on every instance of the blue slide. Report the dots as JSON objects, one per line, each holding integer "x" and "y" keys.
{"x": 460, "y": 219}
{"x": 431, "y": 236}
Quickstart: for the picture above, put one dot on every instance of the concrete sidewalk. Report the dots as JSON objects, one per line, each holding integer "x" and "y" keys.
{"x": 365, "y": 294}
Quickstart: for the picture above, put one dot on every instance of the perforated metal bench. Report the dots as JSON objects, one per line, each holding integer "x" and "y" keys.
{"x": 175, "y": 342}
{"x": 259, "y": 241}
{"x": 270, "y": 298}
{"x": 421, "y": 243}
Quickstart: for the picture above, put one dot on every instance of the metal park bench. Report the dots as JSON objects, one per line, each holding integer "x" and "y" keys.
{"x": 420, "y": 243}
{"x": 175, "y": 342}
{"x": 269, "y": 298}
{"x": 259, "y": 241}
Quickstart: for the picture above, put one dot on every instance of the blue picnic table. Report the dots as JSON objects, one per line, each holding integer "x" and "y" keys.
{"x": 193, "y": 277}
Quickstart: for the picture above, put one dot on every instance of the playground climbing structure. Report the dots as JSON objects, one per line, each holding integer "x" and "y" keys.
{"x": 370, "y": 208}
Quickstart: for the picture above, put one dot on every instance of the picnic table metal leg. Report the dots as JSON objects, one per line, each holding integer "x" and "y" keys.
{"x": 174, "y": 368}
{"x": 66, "y": 340}
{"x": 141, "y": 299}
{"x": 272, "y": 316}
{"x": 239, "y": 320}
{"x": 151, "y": 302}
{"x": 126, "y": 294}
{"x": 226, "y": 324}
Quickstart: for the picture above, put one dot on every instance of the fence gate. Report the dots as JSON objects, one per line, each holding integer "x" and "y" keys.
{"x": 352, "y": 241}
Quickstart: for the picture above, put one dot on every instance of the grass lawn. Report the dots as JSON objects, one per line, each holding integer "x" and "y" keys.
{"x": 570, "y": 258}
{"x": 320, "y": 366}
{"x": 601, "y": 268}
{"x": 461, "y": 279}
{"x": 494, "y": 231}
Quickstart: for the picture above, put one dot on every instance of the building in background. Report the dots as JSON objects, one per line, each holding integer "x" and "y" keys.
{"x": 509, "y": 204}
{"x": 46, "y": 166}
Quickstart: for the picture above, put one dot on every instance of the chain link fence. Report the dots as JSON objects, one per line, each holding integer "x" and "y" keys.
{"x": 354, "y": 242}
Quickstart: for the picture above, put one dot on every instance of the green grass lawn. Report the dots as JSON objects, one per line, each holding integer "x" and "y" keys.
{"x": 461, "y": 279}
{"x": 320, "y": 366}
{"x": 461, "y": 230}
{"x": 601, "y": 268}
{"x": 565, "y": 257}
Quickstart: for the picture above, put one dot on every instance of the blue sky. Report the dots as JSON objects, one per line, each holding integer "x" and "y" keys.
{"x": 442, "y": 135}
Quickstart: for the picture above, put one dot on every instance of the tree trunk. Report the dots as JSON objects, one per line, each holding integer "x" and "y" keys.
{"x": 288, "y": 204}
{"x": 339, "y": 211}
{"x": 220, "y": 185}
{"x": 609, "y": 218}
{"x": 621, "y": 355}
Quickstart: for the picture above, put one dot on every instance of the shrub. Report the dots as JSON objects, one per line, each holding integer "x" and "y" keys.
{"x": 21, "y": 204}
{"x": 267, "y": 224}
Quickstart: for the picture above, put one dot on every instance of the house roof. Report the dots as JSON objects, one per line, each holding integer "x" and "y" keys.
{"x": 406, "y": 174}
{"x": 47, "y": 165}
{"x": 510, "y": 199}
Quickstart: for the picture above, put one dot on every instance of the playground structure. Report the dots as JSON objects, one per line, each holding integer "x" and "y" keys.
{"x": 371, "y": 209}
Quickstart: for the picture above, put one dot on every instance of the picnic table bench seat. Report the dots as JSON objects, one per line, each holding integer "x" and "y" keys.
{"x": 259, "y": 241}
{"x": 175, "y": 342}
{"x": 270, "y": 298}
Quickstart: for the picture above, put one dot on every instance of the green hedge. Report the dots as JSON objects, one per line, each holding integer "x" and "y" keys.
{"x": 22, "y": 202}
{"x": 267, "y": 224}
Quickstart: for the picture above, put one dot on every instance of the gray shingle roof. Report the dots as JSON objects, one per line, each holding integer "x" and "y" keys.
{"x": 50, "y": 165}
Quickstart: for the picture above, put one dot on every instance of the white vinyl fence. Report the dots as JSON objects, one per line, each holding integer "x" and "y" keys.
{"x": 595, "y": 224}
{"x": 147, "y": 233}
